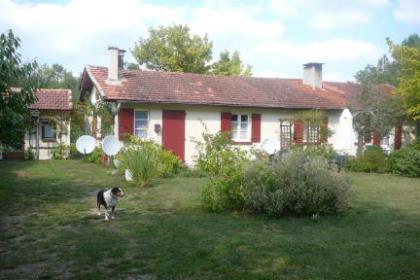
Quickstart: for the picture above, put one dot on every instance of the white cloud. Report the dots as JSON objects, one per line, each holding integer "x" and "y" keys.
{"x": 233, "y": 28}
{"x": 78, "y": 32}
{"x": 408, "y": 11}
{"x": 284, "y": 8}
{"x": 340, "y": 19}
{"x": 79, "y": 28}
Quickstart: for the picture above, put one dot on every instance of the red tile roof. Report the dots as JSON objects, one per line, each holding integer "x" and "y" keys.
{"x": 198, "y": 89}
{"x": 53, "y": 99}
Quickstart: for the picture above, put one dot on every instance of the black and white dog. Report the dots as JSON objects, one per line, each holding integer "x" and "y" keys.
{"x": 109, "y": 200}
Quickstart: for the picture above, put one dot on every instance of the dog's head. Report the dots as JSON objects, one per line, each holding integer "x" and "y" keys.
{"x": 117, "y": 192}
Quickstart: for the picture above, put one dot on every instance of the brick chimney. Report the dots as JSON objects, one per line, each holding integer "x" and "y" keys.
{"x": 116, "y": 63}
{"x": 312, "y": 74}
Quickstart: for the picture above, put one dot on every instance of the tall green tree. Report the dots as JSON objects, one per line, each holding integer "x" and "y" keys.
{"x": 378, "y": 112}
{"x": 14, "y": 104}
{"x": 408, "y": 89}
{"x": 57, "y": 76}
{"x": 174, "y": 49}
{"x": 230, "y": 65}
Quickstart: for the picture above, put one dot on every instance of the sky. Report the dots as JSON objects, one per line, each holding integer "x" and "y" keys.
{"x": 274, "y": 36}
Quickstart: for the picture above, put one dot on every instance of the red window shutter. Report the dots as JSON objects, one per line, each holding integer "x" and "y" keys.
{"x": 125, "y": 123}
{"x": 298, "y": 132}
{"x": 256, "y": 128}
{"x": 226, "y": 122}
{"x": 324, "y": 131}
{"x": 397, "y": 138}
{"x": 376, "y": 138}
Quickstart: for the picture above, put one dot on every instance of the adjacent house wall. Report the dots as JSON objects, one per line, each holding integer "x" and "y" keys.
{"x": 46, "y": 146}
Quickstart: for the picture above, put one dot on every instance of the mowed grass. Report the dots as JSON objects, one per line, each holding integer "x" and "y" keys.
{"x": 49, "y": 229}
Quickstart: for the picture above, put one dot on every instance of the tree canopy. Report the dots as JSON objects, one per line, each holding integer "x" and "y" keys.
{"x": 230, "y": 65}
{"x": 174, "y": 48}
{"x": 14, "y": 103}
{"x": 408, "y": 88}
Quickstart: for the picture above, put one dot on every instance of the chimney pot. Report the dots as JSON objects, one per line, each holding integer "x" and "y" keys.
{"x": 312, "y": 74}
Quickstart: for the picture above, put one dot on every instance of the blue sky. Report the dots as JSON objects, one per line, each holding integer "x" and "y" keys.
{"x": 274, "y": 36}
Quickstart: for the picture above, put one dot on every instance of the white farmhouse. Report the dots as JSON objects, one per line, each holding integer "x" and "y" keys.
{"x": 175, "y": 108}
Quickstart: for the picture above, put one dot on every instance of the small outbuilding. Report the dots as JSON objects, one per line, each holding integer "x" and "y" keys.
{"x": 51, "y": 122}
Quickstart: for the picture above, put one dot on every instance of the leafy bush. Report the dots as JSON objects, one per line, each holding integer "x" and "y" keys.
{"x": 73, "y": 153}
{"x": 372, "y": 160}
{"x": 415, "y": 144}
{"x": 224, "y": 164}
{"x": 405, "y": 162}
{"x": 357, "y": 165}
{"x": 61, "y": 151}
{"x": 29, "y": 154}
{"x": 170, "y": 164}
{"x": 210, "y": 152}
{"x": 146, "y": 160}
{"x": 296, "y": 183}
{"x": 324, "y": 151}
{"x": 95, "y": 156}
{"x": 141, "y": 161}
{"x": 223, "y": 191}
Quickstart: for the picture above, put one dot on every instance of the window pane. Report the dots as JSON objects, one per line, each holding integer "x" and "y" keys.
{"x": 141, "y": 124}
{"x": 244, "y": 126}
{"x": 141, "y": 133}
{"x": 141, "y": 115}
{"x": 244, "y": 118}
{"x": 48, "y": 130}
{"x": 234, "y": 125}
{"x": 234, "y": 118}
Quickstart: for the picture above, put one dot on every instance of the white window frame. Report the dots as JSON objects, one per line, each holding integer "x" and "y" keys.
{"x": 147, "y": 126}
{"x": 248, "y": 135}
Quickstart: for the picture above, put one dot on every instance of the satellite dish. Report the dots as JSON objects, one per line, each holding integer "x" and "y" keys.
{"x": 85, "y": 144}
{"x": 270, "y": 146}
{"x": 111, "y": 145}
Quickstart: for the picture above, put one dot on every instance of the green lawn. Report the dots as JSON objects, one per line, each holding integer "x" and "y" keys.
{"x": 49, "y": 229}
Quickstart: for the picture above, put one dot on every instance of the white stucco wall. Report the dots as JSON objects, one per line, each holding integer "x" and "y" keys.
{"x": 199, "y": 119}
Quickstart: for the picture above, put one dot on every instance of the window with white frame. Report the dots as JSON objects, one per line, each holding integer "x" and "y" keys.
{"x": 48, "y": 130}
{"x": 141, "y": 124}
{"x": 240, "y": 127}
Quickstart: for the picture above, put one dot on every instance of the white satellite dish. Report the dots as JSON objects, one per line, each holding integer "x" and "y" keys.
{"x": 270, "y": 146}
{"x": 111, "y": 145}
{"x": 85, "y": 144}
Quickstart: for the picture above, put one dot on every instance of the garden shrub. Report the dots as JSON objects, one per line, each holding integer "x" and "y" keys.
{"x": 321, "y": 150}
{"x": 224, "y": 189}
{"x": 210, "y": 152}
{"x": 147, "y": 160}
{"x": 61, "y": 151}
{"x": 372, "y": 160}
{"x": 95, "y": 156}
{"x": 295, "y": 184}
{"x": 415, "y": 144}
{"x": 142, "y": 161}
{"x": 224, "y": 164}
{"x": 405, "y": 161}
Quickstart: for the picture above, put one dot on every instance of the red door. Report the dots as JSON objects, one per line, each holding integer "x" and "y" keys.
{"x": 173, "y": 132}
